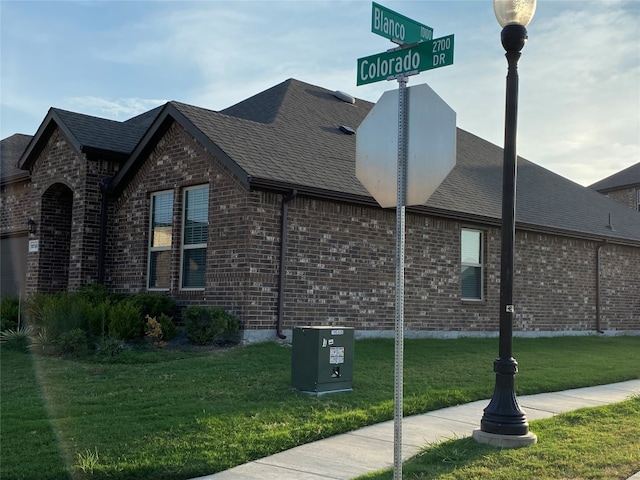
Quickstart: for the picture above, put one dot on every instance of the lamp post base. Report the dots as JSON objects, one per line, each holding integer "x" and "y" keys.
{"x": 503, "y": 415}
{"x": 505, "y": 441}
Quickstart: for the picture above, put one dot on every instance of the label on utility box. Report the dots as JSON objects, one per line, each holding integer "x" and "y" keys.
{"x": 336, "y": 355}
{"x": 337, "y": 332}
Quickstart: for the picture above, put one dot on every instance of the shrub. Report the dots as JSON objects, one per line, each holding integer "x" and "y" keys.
{"x": 232, "y": 332}
{"x": 74, "y": 343}
{"x": 208, "y": 325}
{"x": 153, "y": 330}
{"x": 9, "y": 313}
{"x": 42, "y": 342}
{"x": 169, "y": 329}
{"x": 125, "y": 321}
{"x": 153, "y": 305}
{"x": 94, "y": 293}
{"x": 59, "y": 313}
{"x": 109, "y": 346}
{"x": 18, "y": 339}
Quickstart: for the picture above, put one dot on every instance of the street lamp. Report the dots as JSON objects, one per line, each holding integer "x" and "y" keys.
{"x": 504, "y": 424}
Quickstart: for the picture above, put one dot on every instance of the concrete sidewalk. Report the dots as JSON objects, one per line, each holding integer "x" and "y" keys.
{"x": 371, "y": 448}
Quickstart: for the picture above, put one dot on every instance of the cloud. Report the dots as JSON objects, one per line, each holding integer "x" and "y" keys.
{"x": 114, "y": 109}
{"x": 580, "y": 77}
{"x": 579, "y": 72}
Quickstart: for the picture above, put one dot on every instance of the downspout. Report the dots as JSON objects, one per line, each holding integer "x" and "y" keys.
{"x": 284, "y": 221}
{"x": 598, "y": 305}
{"x": 104, "y": 189}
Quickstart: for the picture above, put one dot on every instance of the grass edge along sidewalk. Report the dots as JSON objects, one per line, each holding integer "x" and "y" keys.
{"x": 369, "y": 449}
{"x": 591, "y": 442}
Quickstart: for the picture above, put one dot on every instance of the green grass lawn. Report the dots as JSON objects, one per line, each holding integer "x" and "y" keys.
{"x": 596, "y": 443}
{"x": 169, "y": 414}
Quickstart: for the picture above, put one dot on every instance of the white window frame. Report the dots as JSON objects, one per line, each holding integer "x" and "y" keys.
{"x": 151, "y": 249}
{"x": 183, "y": 245}
{"x": 474, "y": 265}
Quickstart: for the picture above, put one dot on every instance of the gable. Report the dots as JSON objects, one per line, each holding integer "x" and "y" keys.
{"x": 89, "y": 135}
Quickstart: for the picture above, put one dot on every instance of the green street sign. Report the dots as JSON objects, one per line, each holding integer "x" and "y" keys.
{"x": 406, "y": 61}
{"x": 398, "y": 28}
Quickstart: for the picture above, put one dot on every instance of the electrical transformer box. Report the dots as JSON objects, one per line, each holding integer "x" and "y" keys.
{"x": 322, "y": 359}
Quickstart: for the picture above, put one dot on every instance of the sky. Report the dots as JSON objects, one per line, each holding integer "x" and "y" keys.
{"x": 579, "y": 93}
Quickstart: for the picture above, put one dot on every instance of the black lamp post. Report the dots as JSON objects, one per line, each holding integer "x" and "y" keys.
{"x": 503, "y": 415}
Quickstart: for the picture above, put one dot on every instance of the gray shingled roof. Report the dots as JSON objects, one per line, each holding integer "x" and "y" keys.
{"x": 11, "y": 148}
{"x": 627, "y": 178}
{"x": 290, "y": 135}
{"x": 107, "y": 135}
{"x": 545, "y": 200}
{"x": 92, "y": 134}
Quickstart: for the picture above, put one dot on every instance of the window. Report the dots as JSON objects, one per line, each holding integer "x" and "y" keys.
{"x": 195, "y": 229}
{"x": 638, "y": 199}
{"x": 161, "y": 230}
{"x": 471, "y": 261}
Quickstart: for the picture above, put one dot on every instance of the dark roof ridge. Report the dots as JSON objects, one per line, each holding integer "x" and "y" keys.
{"x": 141, "y": 117}
{"x": 207, "y": 111}
{"x": 627, "y": 177}
{"x": 78, "y": 114}
{"x": 263, "y": 107}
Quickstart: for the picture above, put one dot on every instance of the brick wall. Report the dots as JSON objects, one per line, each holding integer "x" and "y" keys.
{"x": 340, "y": 263}
{"x": 14, "y": 207}
{"x": 626, "y": 196}
{"x": 65, "y": 203}
{"x": 620, "y": 287}
{"x": 341, "y": 270}
{"x": 176, "y": 162}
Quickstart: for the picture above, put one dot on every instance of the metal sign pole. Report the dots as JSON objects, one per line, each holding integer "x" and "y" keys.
{"x": 403, "y": 107}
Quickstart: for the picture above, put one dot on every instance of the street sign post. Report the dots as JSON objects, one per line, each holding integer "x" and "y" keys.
{"x": 398, "y": 28}
{"x": 405, "y": 61}
{"x": 417, "y": 53}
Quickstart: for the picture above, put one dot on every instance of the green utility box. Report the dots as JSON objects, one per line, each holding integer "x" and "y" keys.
{"x": 322, "y": 359}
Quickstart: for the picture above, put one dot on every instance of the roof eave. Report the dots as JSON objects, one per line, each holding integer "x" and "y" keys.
{"x": 104, "y": 153}
{"x": 20, "y": 177}
{"x": 616, "y": 188}
{"x": 331, "y": 195}
{"x": 464, "y": 217}
{"x": 35, "y": 146}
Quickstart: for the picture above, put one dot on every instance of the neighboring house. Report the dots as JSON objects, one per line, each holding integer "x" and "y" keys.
{"x": 14, "y": 187}
{"x": 623, "y": 187}
{"x": 257, "y": 209}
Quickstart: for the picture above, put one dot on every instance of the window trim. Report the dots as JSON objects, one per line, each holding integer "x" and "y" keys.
{"x": 195, "y": 246}
{"x": 150, "y": 247}
{"x": 476, "y": 265}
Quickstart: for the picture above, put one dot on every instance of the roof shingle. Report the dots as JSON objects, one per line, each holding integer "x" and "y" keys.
{"x": 627, "y": 178}
{"x": 290, "y": 134}
{"x": 11, "y": 149}
{"x": 289, "y": 137}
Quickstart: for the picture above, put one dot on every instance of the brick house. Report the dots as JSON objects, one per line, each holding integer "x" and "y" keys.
{"x": 623, "y": 187}
{"x": 256, "y": 208}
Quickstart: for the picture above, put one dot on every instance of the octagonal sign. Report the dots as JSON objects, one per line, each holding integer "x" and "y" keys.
{"x": 431, "y": 149}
